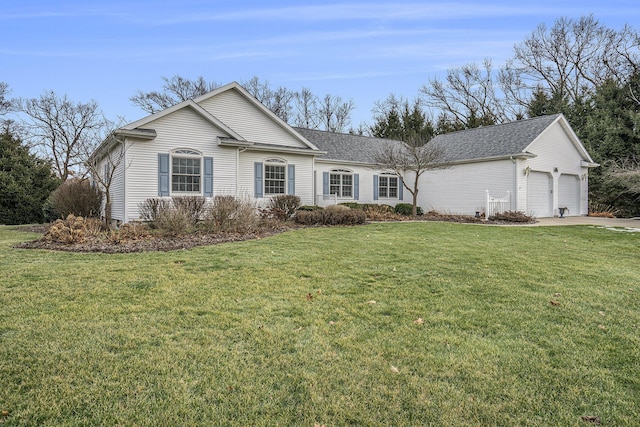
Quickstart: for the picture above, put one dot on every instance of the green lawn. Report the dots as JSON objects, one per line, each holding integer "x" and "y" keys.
{"x": 321, "y": 326}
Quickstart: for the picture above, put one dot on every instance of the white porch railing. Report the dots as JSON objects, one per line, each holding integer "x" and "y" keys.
{"x": 326, "y": 199}
{"x": 496, "y": 205}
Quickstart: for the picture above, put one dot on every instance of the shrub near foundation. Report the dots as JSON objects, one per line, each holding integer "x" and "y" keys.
{"x": 150, "y": 210}
{"x": 283, "y": 207}
{"x": 332, "y": 215}
{"x": 231, "y": 214}
{"x": 76, "y": 197}
{"x": 407, "y": 209}
{"x": 512, "y": 216}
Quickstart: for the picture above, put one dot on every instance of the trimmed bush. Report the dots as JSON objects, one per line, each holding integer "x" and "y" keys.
{"x": 76, "y": 197}
{"x": 382, "y": 213}
{"x": 512, "y": 216}
{"x": 309, "y": 208}
{"x": 407, "y": 209}
{"x": 332, "y": 215}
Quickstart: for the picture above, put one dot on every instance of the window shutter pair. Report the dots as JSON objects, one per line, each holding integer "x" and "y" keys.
{"x": 376, "y": 188}
{"x": 258, "y": 177}
{"x": 356, "y": 185}
{"x": 164, "y": 181}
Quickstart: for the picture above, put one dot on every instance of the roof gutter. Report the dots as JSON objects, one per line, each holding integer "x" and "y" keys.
{"x": 585, "y": 164}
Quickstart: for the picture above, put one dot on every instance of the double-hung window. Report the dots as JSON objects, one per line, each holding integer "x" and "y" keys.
{"x": 341, "y": 183}
{"x": 275, "y": 177}
{"x": 186, "y": 171}
{"x": 388, "y": 186}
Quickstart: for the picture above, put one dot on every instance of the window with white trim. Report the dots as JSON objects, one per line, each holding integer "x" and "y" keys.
{"x": 186, "y": 171}
{"x": 341, "y": 183}
{"x": 388, "y": 186}
{"x": 275, "y": 177}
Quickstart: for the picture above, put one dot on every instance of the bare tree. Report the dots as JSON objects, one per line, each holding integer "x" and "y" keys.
{"x": 470, "y": 95}
{"x": 103, "y": 164}
{"x": 573, "y": 57}
{"x": 416, "y": 155}
{"x": 302, "y": 108}
{"x": 334, "y": 113}
{"x": 306, "y": 105}
{"x": 279, "y": 101}
{"x": 5, "y": 103}
{"x": 63, "y": 131}
{"x": 175, "y": 90}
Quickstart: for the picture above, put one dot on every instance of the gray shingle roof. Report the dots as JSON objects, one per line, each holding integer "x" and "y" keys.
{"x": 485, "y": 142}
{"x": 492, "y": 141}
{"x": 344, "y": 146}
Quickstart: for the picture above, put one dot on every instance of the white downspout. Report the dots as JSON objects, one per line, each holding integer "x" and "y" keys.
{"x": 514, "y": 193}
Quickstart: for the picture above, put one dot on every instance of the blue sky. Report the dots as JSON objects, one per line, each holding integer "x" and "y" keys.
{"x": 360, "y": 50}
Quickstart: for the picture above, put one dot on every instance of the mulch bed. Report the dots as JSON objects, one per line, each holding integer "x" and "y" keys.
{"x": 152, "y": 243}
{"x": 144, "y": 244}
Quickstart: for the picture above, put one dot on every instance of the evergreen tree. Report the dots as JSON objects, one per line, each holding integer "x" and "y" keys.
{"x": 25, "y": 182}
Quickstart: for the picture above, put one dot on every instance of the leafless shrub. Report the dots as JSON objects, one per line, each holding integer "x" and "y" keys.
{"x": 151, "y": 208}
{"x": 76, "y": 197}
{"x": 192, "y": 206}
{"x": 284, "y": 206}
{"x": 173, "y": 222}
{"x": 231, "y": 214}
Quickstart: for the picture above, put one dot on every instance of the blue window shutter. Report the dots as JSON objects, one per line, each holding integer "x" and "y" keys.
{"x": 356, "y": 186}
{"x": 325, "y": 183}
{"x": 375, "y": 187}
{"x": 208, "y": 177}
{"x": 291, "y": 179}
{"x": 163, "y": 175}
{"x": 257, "y": 167}
{"x": 400, "y": 189}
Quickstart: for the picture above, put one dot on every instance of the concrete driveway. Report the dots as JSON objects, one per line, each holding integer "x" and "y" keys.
{"x": 590, "y": 220}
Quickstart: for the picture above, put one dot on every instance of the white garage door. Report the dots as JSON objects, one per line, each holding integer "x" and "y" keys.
{"x": 569, "y": 193}
{"x": 539, "y": 197}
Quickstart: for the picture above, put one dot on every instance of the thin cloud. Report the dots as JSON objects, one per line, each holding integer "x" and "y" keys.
{"x": 359, "y": 11}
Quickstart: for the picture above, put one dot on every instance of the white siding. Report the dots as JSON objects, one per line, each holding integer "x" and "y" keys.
{"x": 116, "y": 187}
{"x": 303, "y": 174}
{"x": 365, "y": 185}
{"x": 556, "y": 154}
{"x": 117, "y": 191}
{"x": 182, "y": 129}
{"x": 461, "y": 189}
{"x": 248, "y": 120}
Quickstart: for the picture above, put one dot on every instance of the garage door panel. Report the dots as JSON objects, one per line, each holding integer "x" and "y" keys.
{"x": 569, "y": 193}
{"x": 539, "y": 197}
